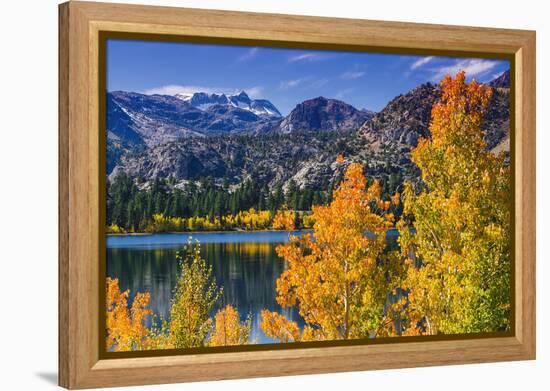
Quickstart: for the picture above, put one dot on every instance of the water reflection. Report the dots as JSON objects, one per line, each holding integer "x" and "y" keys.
{"x": 247, "y": 270}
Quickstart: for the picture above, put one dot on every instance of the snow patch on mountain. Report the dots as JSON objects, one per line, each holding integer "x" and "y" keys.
{"x": 203, "y": 101}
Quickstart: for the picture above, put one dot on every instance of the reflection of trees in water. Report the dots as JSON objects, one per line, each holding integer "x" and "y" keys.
{"x": 247, "y": 271}
{"x": 153, "y": 271}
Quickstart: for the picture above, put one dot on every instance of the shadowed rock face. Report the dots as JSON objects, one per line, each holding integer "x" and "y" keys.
{"x": 322, "y": 114}
{"x": 181, "y": 161}
{"x": 404, "y": 119}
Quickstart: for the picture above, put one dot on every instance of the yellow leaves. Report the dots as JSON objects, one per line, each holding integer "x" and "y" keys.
{"x": 190, "y": 324}
{"x": 308, "y": 220}
{"x": 311, "y": 334}
{"x": 462, "y": 106}
{"x": 162, "y": 223}
{"x": 195, "y": 295}
{"x": 126, "y": 329}
{"x": 384, "y": 205}
{"x": 495, "y": 232}
{"x": 252, "y": 219}
{"x": 373, "y": 192}
{"x": 396, "y": 198}
{"x": 278, "y": 327}
{"x": 229, "y": 330}
{"x": 284, "y": 220}
{"x": 452, "y": 274}
{"x": 458, "y": 278}
{"x": 114, "y": 229}
{"x": 248, "y": 220}
{"x": 340, "y": 159}
{"x": 486, "y": 177}
{"x": 329, "y": 272}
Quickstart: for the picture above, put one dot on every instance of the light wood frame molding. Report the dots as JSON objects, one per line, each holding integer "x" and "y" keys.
{"x": 80, "y": 365}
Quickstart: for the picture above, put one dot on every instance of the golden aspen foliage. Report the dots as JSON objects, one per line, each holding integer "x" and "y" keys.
{"x": 337, "y": 276}
{"x": 126, "y": 329}
{"x": 252, "y": 220}
{"x": 308, "y": 221}
{"x": 458, "y": 251}
{"x": 229, "y": 330}
{"x": 278, "y": 327}
{"x": 284, "y": 220}
{"x": 195, "y": 295}
{"x": 114, "y": 229}
{"x": 247, "y": 220}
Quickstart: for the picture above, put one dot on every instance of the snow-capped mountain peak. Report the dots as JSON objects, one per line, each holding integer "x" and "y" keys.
{"x": 203, "y": 101}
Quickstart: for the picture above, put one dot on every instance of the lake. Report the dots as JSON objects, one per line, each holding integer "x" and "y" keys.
{"x": 244, "y": 263}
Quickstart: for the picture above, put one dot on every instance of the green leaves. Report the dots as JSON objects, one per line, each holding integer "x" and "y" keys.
{"x": 195, "y": 295}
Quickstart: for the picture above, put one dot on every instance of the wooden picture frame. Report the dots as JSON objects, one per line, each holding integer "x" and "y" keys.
{"x": 80, "y": 170}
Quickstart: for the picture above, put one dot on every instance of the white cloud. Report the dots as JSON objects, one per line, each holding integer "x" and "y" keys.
{"x": 288, "y": 84}
{"x": 352, "y": 75}
{"x": 472, "y": 67}
{"x": 173, "y": 89}
{"x": 308, "y": 82}
{"x": 307, "y": 57}
{"x": 255, "y": 92}
{"x": 421, "y": 61}
{"x": 249, "y": 55}
{"x": 340, "y": 94}
{"x": 318, "y": 83}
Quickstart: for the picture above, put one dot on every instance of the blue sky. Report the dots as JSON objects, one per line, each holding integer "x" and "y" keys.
{"x": 284, "y": 76}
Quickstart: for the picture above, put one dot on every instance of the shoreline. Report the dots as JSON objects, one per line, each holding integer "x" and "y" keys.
{"x": 190, "y": 233}
{"x": 205, "y": 232}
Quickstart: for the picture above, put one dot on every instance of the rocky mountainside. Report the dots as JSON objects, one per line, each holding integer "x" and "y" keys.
{"x": 407, "y": 117}
{"x": 388, "y": 137}
{"x": 322, "y": 114}
{"x": 193, "y": 142}
{"x": 502, "y": 81}
{"x": 272, "y": 159}
{"x": 137, "y": 120}
{"x": 161, "y": 118}
{"x": 404, "y": 119}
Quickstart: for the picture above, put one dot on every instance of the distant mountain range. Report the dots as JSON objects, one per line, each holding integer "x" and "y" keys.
{"x": 159, "y": 118}
{"x": 203, "y": 101}
{"x": 233, "y": 137}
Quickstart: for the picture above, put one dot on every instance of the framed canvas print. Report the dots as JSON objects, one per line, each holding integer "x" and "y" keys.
{"x": 248, "y": 195}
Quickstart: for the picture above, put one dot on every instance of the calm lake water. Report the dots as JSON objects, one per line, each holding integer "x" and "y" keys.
{"x": 244, "y": 263}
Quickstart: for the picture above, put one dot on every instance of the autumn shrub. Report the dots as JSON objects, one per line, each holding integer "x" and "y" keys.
{"x": 229, "y": 330}
{"x": 284, "y": 220}
{"x": 195, "y": 295}
{"x": 126, "y": 328}
{"x": 114, "y": 229}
